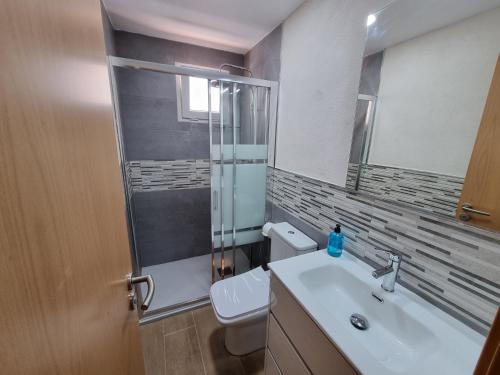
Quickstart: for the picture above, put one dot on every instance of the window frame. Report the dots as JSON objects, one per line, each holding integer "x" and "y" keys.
{"x": 184, "y": 113}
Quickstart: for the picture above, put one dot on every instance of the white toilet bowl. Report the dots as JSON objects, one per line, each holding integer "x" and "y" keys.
{"x": 240, "y": 304}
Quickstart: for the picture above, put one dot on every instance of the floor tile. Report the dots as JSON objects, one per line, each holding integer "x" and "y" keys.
{"x": 182, "y": 353}
{"x": 253, "y": 363}
{"x": 211, "y": 335}
{"x": 178, "y": 322}
{"x": 193, "y": 343}
{"x": 153, "y": 348}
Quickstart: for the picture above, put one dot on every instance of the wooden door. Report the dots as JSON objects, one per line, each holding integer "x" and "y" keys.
{"x": 489, "y": 360}
{"x": 482, "y": 182}
{"x": 64, "y": 251}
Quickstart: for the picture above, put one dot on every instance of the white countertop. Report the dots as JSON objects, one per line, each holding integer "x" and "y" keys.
{"x": 437, "y": 343}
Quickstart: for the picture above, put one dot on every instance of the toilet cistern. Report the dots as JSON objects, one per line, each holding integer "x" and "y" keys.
{"x": 390, "y": 272}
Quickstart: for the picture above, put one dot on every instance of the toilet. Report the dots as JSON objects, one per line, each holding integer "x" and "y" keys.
{"x": 240, "y": 303}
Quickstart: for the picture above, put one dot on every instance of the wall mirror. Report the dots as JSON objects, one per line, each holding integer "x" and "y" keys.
{"x": 427, "y": 76}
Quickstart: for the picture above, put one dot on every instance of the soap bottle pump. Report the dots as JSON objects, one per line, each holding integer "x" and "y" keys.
{"x": 335, "y": 242}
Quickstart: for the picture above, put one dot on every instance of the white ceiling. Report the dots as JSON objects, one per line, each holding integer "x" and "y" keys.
{"x": 406, "y": 19}
{"x": 231, "y": 25}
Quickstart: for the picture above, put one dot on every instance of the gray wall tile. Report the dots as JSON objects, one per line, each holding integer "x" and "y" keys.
{"x": 264, "y": 59}
{"x": 433, "y": 192}
{"x": 148, "y": 100}
{"x": 370, "y": 74}
{"x": 142, "y": 47}
{"x": 151, "y": 131}
{"x": 171, "y": 225}
{"x": 108, "y": 32}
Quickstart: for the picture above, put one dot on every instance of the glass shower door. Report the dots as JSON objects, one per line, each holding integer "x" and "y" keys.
{"x": 193, "y": 147}
{"x": 238, "y": 172}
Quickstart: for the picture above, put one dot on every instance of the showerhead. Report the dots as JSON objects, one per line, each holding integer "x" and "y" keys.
{"x": 236, "y": 67}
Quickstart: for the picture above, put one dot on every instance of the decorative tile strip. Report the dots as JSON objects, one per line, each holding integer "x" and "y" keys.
{"x": 452, "y": 265}
{"x": 434, "y": 192}
{"x": 154, "y": 175}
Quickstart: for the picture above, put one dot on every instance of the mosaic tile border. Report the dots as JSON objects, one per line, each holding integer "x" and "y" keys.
{"x": 430, "y": 191}
{"x": 155, "y": 175}
{"x": 456, "y": 267}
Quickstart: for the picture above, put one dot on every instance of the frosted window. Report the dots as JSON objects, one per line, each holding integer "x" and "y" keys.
{"x": 198, "y": 95}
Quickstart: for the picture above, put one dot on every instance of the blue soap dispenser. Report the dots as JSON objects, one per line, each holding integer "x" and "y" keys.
{"x": 335, "y": 242}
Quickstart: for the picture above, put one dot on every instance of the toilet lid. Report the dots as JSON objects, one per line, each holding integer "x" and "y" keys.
{"x": 242, "y": 294}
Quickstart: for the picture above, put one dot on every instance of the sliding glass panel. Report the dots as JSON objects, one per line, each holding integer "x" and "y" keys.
{"x": 164, "y": 143}
{"x": 239, "y": 187}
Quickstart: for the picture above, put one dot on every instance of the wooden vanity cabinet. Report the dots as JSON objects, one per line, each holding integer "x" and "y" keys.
{"x": 295, "y": 344}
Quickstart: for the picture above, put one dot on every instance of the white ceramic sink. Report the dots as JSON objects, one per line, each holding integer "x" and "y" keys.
{"x": 406, "y": 334}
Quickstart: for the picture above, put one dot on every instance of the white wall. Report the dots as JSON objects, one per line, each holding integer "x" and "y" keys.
{"x": 321, "y": 54}
{"x": 432, "y": 94}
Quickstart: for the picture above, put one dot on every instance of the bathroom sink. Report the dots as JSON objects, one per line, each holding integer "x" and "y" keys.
{"x": 405, "y": 334}
{"x": 395, "y": 337}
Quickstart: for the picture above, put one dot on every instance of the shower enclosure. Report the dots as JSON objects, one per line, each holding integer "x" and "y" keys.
{"x": 194, "y": 151}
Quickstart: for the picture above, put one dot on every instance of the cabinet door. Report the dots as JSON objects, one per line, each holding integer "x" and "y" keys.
{"x": 482, "y": 182}
{"x": 318, "y": 353}
{"x": 271, "y": 366}
{"x": 283, "y": 352}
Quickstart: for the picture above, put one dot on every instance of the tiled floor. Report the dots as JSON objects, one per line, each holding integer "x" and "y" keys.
{"x": 193, "y": 343}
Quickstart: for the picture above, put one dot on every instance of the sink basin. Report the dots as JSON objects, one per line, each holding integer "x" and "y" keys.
{"x": 406, "y": 334}
{"x": 395, "y": 337}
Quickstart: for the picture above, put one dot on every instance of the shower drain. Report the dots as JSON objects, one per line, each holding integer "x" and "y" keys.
{"x": 359, "y": 322}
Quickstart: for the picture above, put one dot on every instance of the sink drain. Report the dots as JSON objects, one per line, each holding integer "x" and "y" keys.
{"x": 359, "y": 322}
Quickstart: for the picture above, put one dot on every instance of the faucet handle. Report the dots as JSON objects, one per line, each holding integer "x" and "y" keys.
{"x": 393, "y": 256}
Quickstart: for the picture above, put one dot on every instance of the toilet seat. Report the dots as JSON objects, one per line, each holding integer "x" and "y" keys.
{"x": 242, "y": 297}
{"x": 241, "y": 303}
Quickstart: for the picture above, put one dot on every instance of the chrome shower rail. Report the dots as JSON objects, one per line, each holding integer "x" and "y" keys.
{"x": 124, "y": 62}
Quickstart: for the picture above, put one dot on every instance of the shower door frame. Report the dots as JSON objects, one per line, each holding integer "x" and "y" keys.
{"x": 210, "y": 75}
{"x": 367, "y": 134}
{"x": 219, "y": 194}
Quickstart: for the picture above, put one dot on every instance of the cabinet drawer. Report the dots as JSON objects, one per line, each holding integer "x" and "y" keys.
{"x": 271, "y": 368}
{"x": 318, "y": 352}
{"x": 283, "y": 352}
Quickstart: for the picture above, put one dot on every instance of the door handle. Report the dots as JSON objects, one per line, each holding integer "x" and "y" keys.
{"x": 467, "y": 208}
{"x": 132, "y": 280}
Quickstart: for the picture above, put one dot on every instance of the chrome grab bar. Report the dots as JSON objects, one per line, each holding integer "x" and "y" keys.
{"x": 131, "y": 280}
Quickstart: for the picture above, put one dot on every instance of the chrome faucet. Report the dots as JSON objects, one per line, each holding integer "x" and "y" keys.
{"x": 390, "y": 272}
